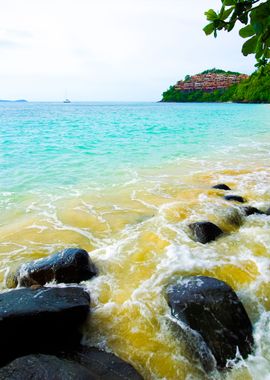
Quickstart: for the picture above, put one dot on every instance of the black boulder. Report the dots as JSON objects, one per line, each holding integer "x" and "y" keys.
{"x": 234, "y": 198}
{"x": 204, "y": 232}
{"x": 44, "y": 367}
{"x": 41, "y": 320}
{"x": 103, "y": 365}
{"x": 221, "y": 186}
{"x": 84, "y": 363}
{"x": 249, "y": 210}
{"x": 71, "y": 265}
{"x": 214, "y": 315}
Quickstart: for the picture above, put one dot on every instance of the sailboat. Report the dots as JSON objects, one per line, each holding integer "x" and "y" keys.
{"x": 67, "y": 99}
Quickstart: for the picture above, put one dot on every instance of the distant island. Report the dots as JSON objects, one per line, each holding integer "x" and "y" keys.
{"x": 13, "y": 101}
{"x": 216, "y": 85}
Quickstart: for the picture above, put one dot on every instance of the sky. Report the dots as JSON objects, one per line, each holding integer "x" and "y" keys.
{"x": 108, "y": 50}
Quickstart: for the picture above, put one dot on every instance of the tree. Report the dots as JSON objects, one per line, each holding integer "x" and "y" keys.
{"x": 255, "y": 15}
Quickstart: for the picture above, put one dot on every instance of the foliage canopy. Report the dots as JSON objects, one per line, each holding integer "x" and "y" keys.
{"x": 255, "y": 15}
{"x": 220, "y": 71}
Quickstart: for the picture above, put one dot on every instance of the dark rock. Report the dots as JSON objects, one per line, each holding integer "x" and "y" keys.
{"x": 204, "y": 232}
{"x": 214, "y": 318}
{"x": 41, "y": 320}
{"x": 249, "y": 210}
{"x": 102, "y": 365}
{"x": 44, "y": 367}
{"x": 235, "y": 198}
{"x": 68, "y": 266}
{"x": 84, "y": 364}
{"x": 221, "y": 186}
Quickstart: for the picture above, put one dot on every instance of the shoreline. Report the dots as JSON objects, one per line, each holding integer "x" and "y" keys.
{"x": 138, "y": 255}
{"x": 217, "y": 102}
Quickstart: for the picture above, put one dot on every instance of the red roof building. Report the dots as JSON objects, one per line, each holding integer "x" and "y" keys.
{"x": 209, "y": 82}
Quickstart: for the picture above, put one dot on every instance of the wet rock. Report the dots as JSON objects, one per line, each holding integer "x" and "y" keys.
{"x": 233, "y": 216}
{"x": 41, "y": 320}
{"x": 221, "y": 186}
{"x": 44, "y": 367}
{"x": 103, "y": 365}
{"x": 204, "y": 232}
{"x": 214, "y": 318}
{"x": 249, "y": 210}
{"x": 234, "y": 198}
{"x": 71, "y": 265}
{"x": 84, "y": 364}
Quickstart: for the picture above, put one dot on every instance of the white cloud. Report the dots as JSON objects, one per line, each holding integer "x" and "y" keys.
{"x": 107, "y": 50}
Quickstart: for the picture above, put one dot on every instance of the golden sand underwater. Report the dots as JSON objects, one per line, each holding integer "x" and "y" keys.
{"x": 138, "y": 237}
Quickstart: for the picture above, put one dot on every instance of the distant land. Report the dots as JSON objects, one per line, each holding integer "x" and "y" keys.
{"x": 216, "y": 85}
{"x": 13, "y": 101}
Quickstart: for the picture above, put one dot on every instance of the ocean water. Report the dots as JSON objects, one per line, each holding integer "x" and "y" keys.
{"x": 123, "y": 181}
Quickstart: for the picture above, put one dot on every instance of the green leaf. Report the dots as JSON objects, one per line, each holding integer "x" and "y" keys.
{"x": 229, "y": 2}
{"x": 259, "y": 50}
{"x": 250, "y": 45}
{"x": 247, "y": 31}
{"x": 267, "y": 54}
{"x": 260, "y": 12}
{"x": 258, "y": 27}
{"x": 227, "y": 13}
{"x": 208, "y": 29}
{"x": 230, "y": 26}
{"x": 211, "y": 15}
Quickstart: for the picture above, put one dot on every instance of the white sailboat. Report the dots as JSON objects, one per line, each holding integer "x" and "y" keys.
{"x": 67, "y": 99}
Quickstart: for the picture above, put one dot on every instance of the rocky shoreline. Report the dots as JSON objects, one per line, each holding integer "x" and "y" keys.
{"x": 41, "y": 324}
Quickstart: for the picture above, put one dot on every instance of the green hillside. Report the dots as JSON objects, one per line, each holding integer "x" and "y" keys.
{"x": 256, "y": 89}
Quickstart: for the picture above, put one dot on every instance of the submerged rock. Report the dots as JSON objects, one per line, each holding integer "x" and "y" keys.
{"x": 234, "y": 198}
{"x": 71, "y": 265}
{"x": 204, "y": 232}
{"x": 233, "y": 216}
{"x": 221, "y": 186}
{"x": 41, "y": 320}
{"x": 214, "y": 318}
{"x": 249, "y": 210}
{"x": 84, "y": 364}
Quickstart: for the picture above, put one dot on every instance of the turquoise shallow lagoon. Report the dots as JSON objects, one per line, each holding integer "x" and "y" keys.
{"x": 53, "y": 144}
{"x": 124, "y": 181}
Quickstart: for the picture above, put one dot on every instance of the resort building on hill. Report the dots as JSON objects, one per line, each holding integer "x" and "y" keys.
{"x": 209, "y": 82}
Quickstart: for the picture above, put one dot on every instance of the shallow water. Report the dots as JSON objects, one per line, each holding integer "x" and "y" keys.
{"x": 124, "y": 181}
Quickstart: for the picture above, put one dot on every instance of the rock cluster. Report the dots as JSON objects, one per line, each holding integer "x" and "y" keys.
{"x": 40, "y": 326}
{"x": 207, "y": 310}
{"x": 205, "y": 231}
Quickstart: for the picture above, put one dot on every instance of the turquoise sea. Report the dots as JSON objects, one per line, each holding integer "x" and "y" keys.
{"x": 54, "y": 144}
{"x": 124, "y": 181}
